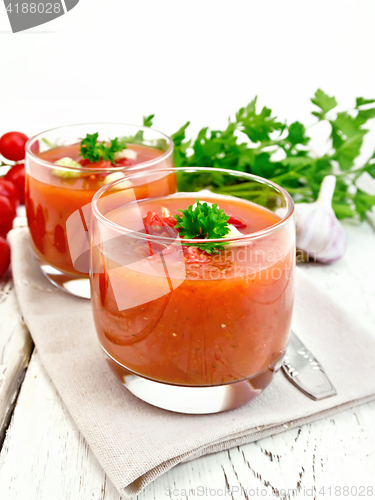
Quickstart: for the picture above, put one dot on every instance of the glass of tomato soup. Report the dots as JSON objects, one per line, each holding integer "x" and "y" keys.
{"x": 192, "y": 291}
{"x": 65, "y": 167}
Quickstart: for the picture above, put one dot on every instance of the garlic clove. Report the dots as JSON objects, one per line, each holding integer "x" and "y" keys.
{"x": 319, "y": 234}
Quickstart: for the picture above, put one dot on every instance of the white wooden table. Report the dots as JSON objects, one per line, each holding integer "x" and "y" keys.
{"x": 44, "y": 457}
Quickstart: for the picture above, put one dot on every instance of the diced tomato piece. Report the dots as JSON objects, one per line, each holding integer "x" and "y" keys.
{"x": 236, "y": 222}
{"x": 154, "y": 219}
{"x": 95, "y": 165}
{"x": 125, "y": 162}
{"x": 169, "y": 221}
{"x": 84, "y": 162}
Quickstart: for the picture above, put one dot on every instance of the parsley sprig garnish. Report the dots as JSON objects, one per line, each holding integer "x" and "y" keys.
{"x": 203, "y": 222}
{"x": 93, "y": 150}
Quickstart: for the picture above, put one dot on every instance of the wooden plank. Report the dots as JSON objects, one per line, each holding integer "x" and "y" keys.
{"x": 44, "y": 456}
{"x": 331, "y": 453}
{"x": 15, "y": 350}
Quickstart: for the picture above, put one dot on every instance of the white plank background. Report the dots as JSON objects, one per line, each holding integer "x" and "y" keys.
{"x": 44, "y": 456}
{"x": 15, "y": 349}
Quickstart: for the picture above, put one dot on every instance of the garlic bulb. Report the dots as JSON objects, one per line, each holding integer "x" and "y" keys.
{"x": 320, "y": 236}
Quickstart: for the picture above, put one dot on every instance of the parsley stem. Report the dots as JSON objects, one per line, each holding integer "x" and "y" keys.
{"x": 288, "y": 175}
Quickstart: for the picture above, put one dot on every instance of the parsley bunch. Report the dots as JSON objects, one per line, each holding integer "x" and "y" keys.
{"x": 203, "y": 222}
{"x": 93, "y": 150}
{"x": 254, "y": 141}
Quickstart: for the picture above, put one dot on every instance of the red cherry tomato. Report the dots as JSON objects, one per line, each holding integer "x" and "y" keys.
{"x": 236, "y": 222}
{"x": 12, "y": 146}
{"x": 4, "y": 256}
{"x": 9, "y": 190}
{"x": 16, "y": 175}
{"x": 7, "y": 214}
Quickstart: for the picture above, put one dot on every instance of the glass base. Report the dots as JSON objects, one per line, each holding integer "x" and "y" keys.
{"x": 80, "y": 287}
{"x": 195, "y": 400}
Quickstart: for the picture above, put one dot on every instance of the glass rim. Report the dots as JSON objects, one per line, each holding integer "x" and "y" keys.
{"x": 133, "y": 168}
{"x": 245, "y": 237}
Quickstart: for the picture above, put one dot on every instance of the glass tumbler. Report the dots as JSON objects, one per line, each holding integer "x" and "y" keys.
{"x": 58, "y": 197}
{"x": 193, "y": 325}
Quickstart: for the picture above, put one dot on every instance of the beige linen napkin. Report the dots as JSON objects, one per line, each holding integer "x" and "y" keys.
{"x": 135, "y": 442}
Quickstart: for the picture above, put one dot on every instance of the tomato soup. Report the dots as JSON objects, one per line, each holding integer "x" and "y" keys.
{"x": 51, "y": 199}
{"x": 209, "y": 319}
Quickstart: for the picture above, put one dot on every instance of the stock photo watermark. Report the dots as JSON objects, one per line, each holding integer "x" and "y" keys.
{"x": 282, "y": 493}
{"x": 27, "y": 14}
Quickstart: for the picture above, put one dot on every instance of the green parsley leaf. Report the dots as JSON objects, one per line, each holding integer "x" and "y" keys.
{"x": 324, "y": 102}
{"x": 95, "y": 151}
{"x": 263, "y": 166}
{"x": 360, "y": 101}
{"x": 147, "y": 120}
{"x": 138, "y": 137}
{"x": 349, "y": 150}
{"x": 203, "y": 222}
{"x": 296, "y": 134}
{"x": 342, "y": 210}
{"x": 370, "y": 166}
{"x": 257, "y": 126}
{"x": 364, "y": 115}
{"x": 88, "y": 147}
{"x": 363, "y": 203}
{"x": 180, "y": 146}
{"x": 343, "y": 127}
